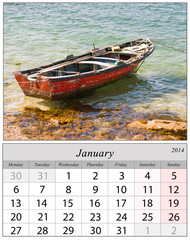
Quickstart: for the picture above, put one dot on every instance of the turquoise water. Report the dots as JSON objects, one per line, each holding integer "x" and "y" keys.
{"x": 40, "y": 33}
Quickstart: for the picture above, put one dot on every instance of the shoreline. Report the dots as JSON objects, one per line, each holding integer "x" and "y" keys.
{"x": 68, "y": 124}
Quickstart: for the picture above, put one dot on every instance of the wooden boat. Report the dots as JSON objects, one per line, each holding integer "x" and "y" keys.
{"x": 77, "y": 74}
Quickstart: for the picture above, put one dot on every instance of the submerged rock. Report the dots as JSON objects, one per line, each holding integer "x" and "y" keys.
{"x": 162, "y": 126}
{"x": 14, "y": 133}
{"x": 54, "y": 122}
{"x": 139, "y": 137}
{"x": 167, "y": 125}
{"x": 157, "y": 124}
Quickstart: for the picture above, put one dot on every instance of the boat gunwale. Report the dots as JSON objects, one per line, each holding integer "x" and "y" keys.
{"x": 90, "y": 73}
{"x": 89, "y": 53}
{"x": 86, "y": 74}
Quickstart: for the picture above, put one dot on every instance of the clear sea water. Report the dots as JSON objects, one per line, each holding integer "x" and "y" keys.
{"x": 40, "y": 33}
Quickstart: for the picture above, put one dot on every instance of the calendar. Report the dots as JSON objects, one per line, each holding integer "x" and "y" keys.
{"x": 82, "y": 189}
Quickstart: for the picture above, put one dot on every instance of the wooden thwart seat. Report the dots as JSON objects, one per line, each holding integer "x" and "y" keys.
{"x": 103, "y": 64}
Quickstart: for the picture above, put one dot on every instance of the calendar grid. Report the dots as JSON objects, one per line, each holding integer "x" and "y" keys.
{"x": 123, "y": 187}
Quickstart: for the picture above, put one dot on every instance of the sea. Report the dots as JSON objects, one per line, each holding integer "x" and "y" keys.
{"x": 36, "y": 34}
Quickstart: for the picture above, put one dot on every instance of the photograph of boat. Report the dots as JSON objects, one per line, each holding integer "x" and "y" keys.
{"x": 84, "y": 72}
{"x": 90, "y": 71}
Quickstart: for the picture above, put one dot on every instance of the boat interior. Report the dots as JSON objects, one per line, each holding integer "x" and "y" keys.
{"x": 96, "y": 60}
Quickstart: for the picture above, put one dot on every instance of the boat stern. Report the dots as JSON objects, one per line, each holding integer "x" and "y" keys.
{"x": 39, "y": 87}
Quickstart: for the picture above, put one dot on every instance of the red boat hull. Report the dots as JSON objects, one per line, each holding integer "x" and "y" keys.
{"x": 58, "y": 89}
{"x": 40, "y": 88}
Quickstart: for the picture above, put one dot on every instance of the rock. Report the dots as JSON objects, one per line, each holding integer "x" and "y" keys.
{"x": 167, "y": 125}
{"x": 101, "y": 123}
{"x": 14, "y": 133}
{"x": 137, "y": 124}
{"x": 139, "y": 137}
{"x": 156, "y": 124}
{"x": 156, "y": 138}
{"x": 54, "y": 122}
{"x": 169, "y": 137}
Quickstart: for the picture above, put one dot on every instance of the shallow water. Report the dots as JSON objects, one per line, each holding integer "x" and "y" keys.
{"x": 40, "y": 33}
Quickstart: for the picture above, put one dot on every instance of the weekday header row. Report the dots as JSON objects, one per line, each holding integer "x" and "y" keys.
{"x": 94, "y": 165}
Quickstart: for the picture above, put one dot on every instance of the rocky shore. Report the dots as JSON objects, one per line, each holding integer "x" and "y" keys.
{"x": 69, "y": 124}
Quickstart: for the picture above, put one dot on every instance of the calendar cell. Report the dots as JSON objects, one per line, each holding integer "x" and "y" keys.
{"x": 147, "y": 189}
{"x": 122, "y": 202}
{"x": 66, "y": 230}
{"x": 173, "y": 230}
{"x": 120, "y": 230}
{"x": 42, "y": 216}
{"x": 15, "y": 189}
{"x": 68, "y": 216}
{"x": 173, "y": 175}
{"x": 173, "y": 203}
{"x": 15, "y": 230}
{"x": 173, "y": 216}
{"x": 68, "y": 202}
{"x": 94, "y": 216}
{"x": 15, "y": 216}
{"x": 42, "y": 230}
{"x": 15, "y": 175}
{"x": 15, "y": 203}
{"x": 94, "y": 203}
{"x": 147, "y": 216}
{"x": 94, "y": 230}
{"x": 147, "y": 202}
{"x": 42, "y": 175}
{"x": 173, "y": 189}
{"x": 42, "y": 189}
{"x": 94, "y": 189}
{"x": 121, "y": 175}
{"x": 68, "y": 189}
{"x": 121, "y": 189}
{"x": 41, "y": 202}
{"x": 94, "y": 176}
{"x": 118, "y": 216}
{"x": 147, "y": 230}
{"x": 68, "y": 175}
